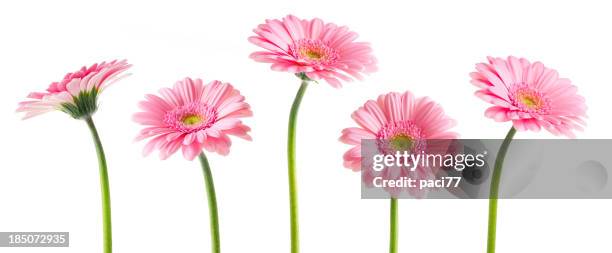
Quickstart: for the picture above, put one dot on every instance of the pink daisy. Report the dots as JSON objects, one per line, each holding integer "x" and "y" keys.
{"x": 530, "y": 95}
{"x": 397, "y": 121}
{"x": 77, "y": 93}
{"x": 314, "y": 48}
{"x": 193, "y": 116}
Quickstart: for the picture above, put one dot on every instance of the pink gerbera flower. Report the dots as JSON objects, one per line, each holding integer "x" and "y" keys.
{"x": 397, "y": 121}
{"x": 530, "y": 95}
{"x": 77, "y": 93}
{"x": 395, "y": 117}
{"x": 313, "y": 48}
{"x": 192, "y": 116}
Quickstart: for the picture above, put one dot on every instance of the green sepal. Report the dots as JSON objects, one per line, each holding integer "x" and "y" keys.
{"x": 304, "y": 77}
{"x": 84, "y": 105}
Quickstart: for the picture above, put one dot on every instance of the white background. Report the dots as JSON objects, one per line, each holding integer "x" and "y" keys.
{"x": 49, "y": 175}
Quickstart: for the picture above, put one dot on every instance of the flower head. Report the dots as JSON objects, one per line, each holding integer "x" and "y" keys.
{"x": 192, "y": 116}
{"x": 76, "y": 94}
{"x": 530, "y": 95}
{"x": 397, "y": 122}
{"x": 317, "y": 49}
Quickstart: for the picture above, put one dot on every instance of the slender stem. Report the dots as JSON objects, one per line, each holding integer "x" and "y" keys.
{"x": 393, "y": 226}
{"x": 212, "y": 205}
{"x": 106, "y": 203}
{"x": 293, "y": 200}
{"x": 494, "y": 191}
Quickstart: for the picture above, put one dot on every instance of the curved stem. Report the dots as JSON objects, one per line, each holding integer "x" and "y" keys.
{"x": 212, "y": 205}
{"x": 494, "y": 190}
{"x": 393, "y": 226}
{"x": 105, "y": 188}
{"x": 293, "y": 200}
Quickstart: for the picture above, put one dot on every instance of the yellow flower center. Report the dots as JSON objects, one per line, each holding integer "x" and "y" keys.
{"x": 401, "y": 142}
{"x": 312, "y": 54}
{"x": 191, "y": 120}
{"x": 529, "y": 99}
{"x": 530, "y": 102}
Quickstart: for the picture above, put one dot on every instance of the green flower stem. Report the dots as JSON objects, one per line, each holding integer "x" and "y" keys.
{"x": 393, "y": 226}
{"x": 293, "y": 200}
{"x": 106, "y": 203}
{"x": 215, "y": 240}
{"x": 494, "y": 191}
